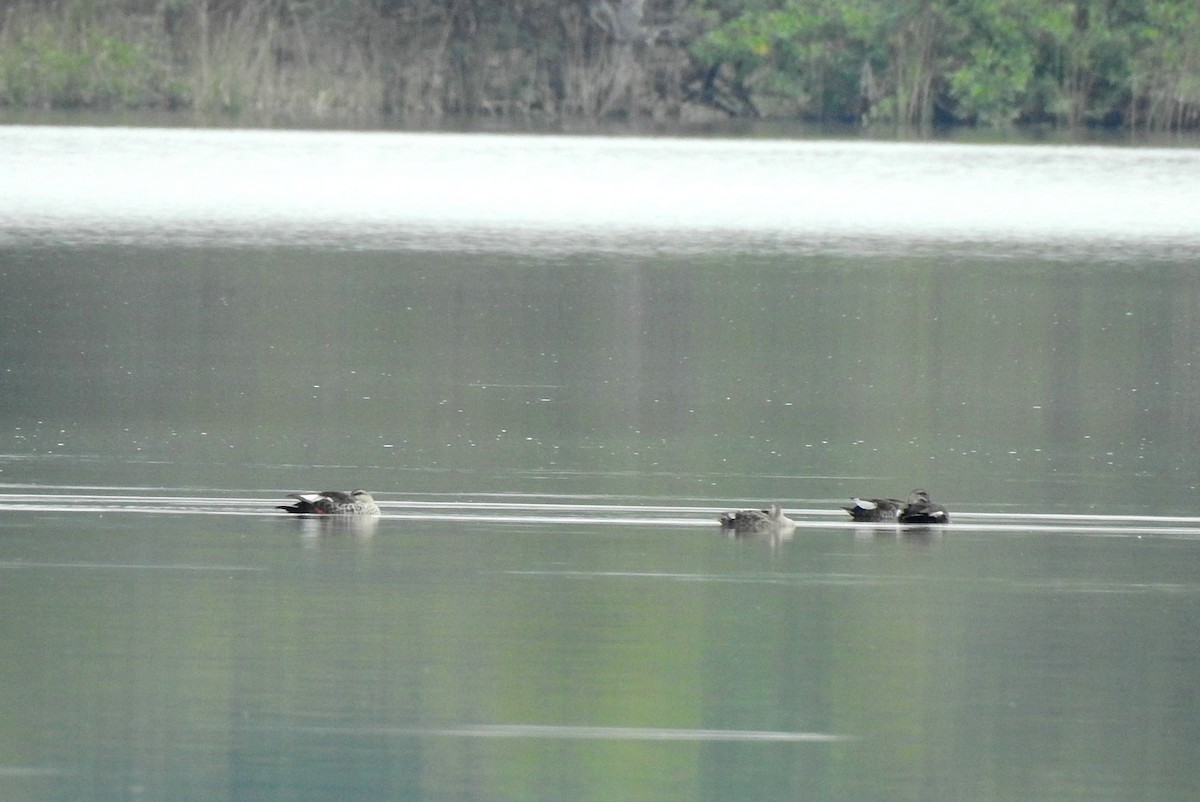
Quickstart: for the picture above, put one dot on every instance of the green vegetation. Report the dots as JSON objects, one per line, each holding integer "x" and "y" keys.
{"x": 997, "y": 62}
{"x": 908, "y": 63}
{"x": 58, "y": 57}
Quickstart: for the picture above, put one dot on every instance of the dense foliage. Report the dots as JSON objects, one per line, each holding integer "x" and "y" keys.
{"x": 1133, "y": 63}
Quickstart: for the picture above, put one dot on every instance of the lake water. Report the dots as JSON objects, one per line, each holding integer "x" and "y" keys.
{"x": 554, "y": 361}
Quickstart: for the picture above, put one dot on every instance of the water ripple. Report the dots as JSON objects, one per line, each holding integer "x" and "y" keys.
{"x": 574, "y": 732}
{"x": 536, "y": 510}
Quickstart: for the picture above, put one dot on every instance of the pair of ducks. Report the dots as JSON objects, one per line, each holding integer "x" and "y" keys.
{"x": 918, "y": 509}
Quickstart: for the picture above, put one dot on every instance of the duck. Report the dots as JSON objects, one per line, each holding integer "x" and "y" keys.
{"x": 332, "y": 502}
{"x": 753, "y": 522}
{"x": 872, "y": 510}
{"x": 920, "y": 509}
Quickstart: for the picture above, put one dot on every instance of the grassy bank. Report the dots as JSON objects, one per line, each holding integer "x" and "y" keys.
{"x": 239, "y": 60}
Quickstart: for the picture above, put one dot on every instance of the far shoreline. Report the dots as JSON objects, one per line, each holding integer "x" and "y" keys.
{"x": 731, "y": 129}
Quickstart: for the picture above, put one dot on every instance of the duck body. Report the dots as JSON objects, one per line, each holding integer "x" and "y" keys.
{"x": 332, "y": 502}
{"x": 754, "y": 522}
{"x": 920, "y": 509}
{"x": 874, "y": 510}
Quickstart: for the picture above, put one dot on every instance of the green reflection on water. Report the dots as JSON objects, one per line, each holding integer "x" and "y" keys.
{"x": 435, "y": 661}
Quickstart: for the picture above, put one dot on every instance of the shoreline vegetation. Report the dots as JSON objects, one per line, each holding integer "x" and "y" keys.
{"x": 1131, "y": 65}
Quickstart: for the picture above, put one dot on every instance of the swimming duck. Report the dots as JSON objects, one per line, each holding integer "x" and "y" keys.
{"x": 919, "y": 509}
{"x": 752, "y": 522}
{"x": 874, "y": 509}
{"x": 332, "y": 502}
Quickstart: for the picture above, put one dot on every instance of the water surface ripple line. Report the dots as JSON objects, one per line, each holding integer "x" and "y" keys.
{"x": 742, "y": 579}
{"x": 598, "y": 514}
{"x": 574, "y": 732}
{"x": 128, "y": 566}
{"x": 9, "y": 498}
{"x": 30, "y": 771}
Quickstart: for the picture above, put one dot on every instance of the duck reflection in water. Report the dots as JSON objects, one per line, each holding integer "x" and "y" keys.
{"x": 770, "y": 526}
{"x": 315, "y": 528}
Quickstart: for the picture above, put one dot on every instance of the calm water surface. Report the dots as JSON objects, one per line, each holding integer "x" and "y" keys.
{"x": 554, "y": 361}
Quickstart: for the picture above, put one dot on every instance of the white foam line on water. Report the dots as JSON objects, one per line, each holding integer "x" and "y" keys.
{"x": 429, "y": 516}
{"x": 1065, "y": 529}
{"x": 136, "y": 509}
{"x": 958, "y": 516}
{"x": 554, "y": 519}
{"x": 209, "y": 501}
{"x": 716, "y": 511}
{"x": 543, "y": 505}
{"x": 547, "y": 513}
{"x": 124, "y": 499}
{"x": 1069, "y": 516}
{"x": 570, "y": 732}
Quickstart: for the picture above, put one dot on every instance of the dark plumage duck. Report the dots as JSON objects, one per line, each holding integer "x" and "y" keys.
{"x": 874, "y": 510}
{"x": 755, "y": 522}
{"x": 332, "y": 502}
{"x": 920, "y": 509}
